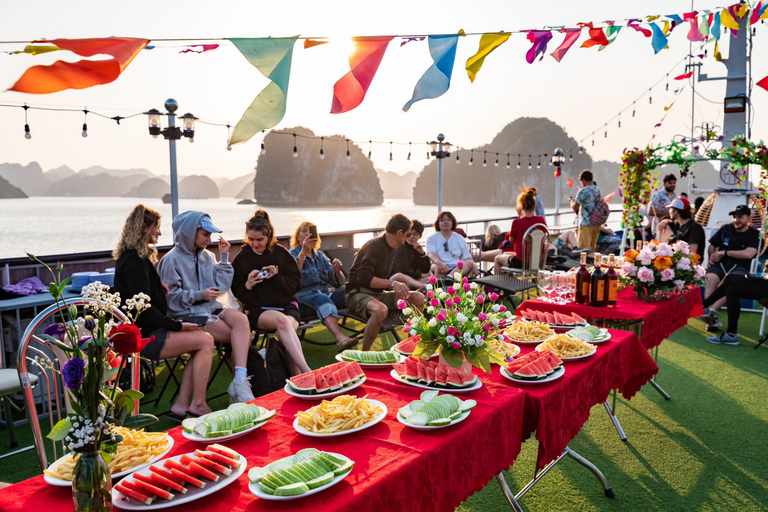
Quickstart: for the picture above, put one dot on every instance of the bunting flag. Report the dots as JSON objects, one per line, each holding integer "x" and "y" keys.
{"x": 272, "y": 57}
{"x": 571, "y": 36}
{"x": 558, "y": 172}
{"x": 704, "y": 27}
{"x": 349, "y": 91}
{"x": 694, "y": 34}
{"x": 309, "y": 43}
{"x": 570, "y": 182}
{"x": 488, "y": 43}
{"x": 596, "y": 36}
{"x": 540, "y": 39}
{"x": 36, "y": 49}
{"x": 728, "y": 21}
{"x": 658, "y": 40}
{"x": 718, "y": 56}
{"x": 82, "y": 74}
{"x": 634, "y": 24}
{"x": 715, "y": 26}
{"x": 684, "y": 76}
{"x": 192, "y": 48}
{"x": 611, "y": 33}
{"x": 756, "y": 12}
{"x": 407, "y": 40}
{"x": 437, "y": 79}
{"x": 763, "y": 83}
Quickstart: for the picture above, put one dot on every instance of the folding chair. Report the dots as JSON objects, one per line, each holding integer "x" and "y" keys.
{"x": 763, "y": 334}
{"x": 535, "y": 241}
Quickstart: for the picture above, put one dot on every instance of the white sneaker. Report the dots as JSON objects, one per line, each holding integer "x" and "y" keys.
{"x": 240, "y": 391}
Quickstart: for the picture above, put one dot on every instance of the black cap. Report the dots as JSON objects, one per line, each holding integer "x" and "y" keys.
{"x": 742, "y": 209}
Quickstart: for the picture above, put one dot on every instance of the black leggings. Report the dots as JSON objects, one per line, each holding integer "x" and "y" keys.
{"x": 734, "y": 288}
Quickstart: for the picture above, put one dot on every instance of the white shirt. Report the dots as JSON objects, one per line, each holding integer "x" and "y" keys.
{"x": 450, "y": 252}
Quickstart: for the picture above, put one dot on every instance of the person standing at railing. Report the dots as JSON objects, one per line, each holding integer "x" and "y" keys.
{"x": 591, "y": 209}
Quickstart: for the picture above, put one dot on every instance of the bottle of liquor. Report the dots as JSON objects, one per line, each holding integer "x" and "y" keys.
{"x": 612, "y": 283}
{"x": 581, "y": 293}
{"x": 639, "y": 245}
{"x": 597, "y": 285}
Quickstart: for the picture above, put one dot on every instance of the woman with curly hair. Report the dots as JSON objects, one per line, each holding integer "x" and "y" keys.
{"x": 136, "y": 256}
{"x": 266, "y": 281}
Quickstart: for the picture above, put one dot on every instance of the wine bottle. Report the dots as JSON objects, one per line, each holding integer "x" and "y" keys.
{"x": 612, "y": 283}
{"x": 597, "y": 284}
{"x": 581, "y": 294}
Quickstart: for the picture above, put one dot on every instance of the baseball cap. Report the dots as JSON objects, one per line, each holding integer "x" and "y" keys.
{"x": 680, "y": 203}
{"x": 206, "y": 224}
{"x": 742, "y": 209}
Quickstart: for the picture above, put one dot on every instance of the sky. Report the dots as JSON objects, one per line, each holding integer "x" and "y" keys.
{"x": 581, "y": 93}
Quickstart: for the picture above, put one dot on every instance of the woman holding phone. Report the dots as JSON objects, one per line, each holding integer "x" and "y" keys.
{"x": 195, "y": 280}
{"x": 135, "y": 272}
{"x": 318, "y": 274}
{"x": 266, "y": 281}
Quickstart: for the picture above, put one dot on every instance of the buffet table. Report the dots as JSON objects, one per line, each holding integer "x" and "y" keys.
{"x": 398, "y": 468}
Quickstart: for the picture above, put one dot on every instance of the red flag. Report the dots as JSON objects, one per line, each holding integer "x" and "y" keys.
{"x": 763, "y": 83}
{"x": 634, "y": 25}
{"x": 684, "y": 76}
{"x": 309, "y": 43}
{"x": 570, "y": 182}
{"x": 349, "y": 91}
{"x": 596, "y": 36}
{"x": 571, "y": 35}
{"x": 85, "y": 73}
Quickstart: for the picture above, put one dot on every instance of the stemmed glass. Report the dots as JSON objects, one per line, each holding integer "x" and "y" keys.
{"x": 545, "y": 284}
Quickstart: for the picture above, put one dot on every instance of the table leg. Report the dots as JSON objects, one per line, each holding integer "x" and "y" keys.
{"x": 653, "y": 379}
{"x": 614, "y": 419}
{"x": 514, "y": 498}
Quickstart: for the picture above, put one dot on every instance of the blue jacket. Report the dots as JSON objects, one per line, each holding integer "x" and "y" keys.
{"x": 316, "y": 274}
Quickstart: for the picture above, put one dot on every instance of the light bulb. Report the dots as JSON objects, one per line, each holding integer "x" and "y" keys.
{"x": 191, "y": 140}
{"x": 263, "y": 149}
{"x": 457, "y": 158}
{"x": 390, "y": 157}
{"x": 322, "y": 155}
{"x": 27, "y": 134}
{"x": 85, "y": 130}
{"x": 471, "y": 161}
{"x": 349, "y": 157}
{"x": 538, "y": 166}
{"x": 581, "y": 150}
{"x": 518, "y": 165}
{"x": 154, "y": 136}
{"x": 229, "y": 148}
{"x": 369, "y": 154}
{"x": 508, "y": 166}
{"x": 409, "y": 156}
{"x": 295, "y": 152}
{"x": 497, "y": 163}
{"x": 485, "y": 164}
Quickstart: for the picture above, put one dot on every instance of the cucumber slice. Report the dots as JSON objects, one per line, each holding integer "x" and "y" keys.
{"x": 267, "y": 416}
{"x": 242, "y": 428}
{"x": 218, "y": 433}
{"x": 419, "y": 419}
{"x": 188, "y": 425}
{"x": 416, "y": 405}
{"x": 405, "y": 413}
{"x": 304, "y": 454}
{"x": 467, "y": 405}
{"x": 255, "y": 474}
{"x": 321, "y": 481}
{"x": 440, "y": 422}
{"x": 267, "y": 489}
{"x": 292, "y": 490}
{"x": 428, "y": 395}
{"x": 344, "y": 468}
{"x": 455, "y": 415}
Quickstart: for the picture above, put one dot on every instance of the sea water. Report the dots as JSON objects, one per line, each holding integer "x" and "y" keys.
{"x": 61, "y": 225}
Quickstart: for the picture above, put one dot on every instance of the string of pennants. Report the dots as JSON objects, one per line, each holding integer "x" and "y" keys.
{"x": 273, "y": 56}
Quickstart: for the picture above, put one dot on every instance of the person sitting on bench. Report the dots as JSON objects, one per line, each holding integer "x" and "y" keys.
{"x": 195, "y": 280}
{"x": 446, "y": 248}
{"x": 411, "y": 263}
{"x": 734, "y": 288}
{"x": 371, "y": 294}
{"x": 318, "y": 275}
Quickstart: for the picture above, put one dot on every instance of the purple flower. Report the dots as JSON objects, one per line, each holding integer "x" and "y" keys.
{"x": 90, "y": 323}
{"x": 84, "y": 340}
{"x": 56, "y": 330}
{"x": 73, "y": 373}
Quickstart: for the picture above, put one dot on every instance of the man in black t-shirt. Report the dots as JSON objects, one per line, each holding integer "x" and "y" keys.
{"x": 682, "y": 227}
{"x": 731, "y": 250}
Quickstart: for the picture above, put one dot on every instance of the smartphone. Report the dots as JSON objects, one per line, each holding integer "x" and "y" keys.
{"x": 200, "y": 320}
{"x": 313, "y": 232}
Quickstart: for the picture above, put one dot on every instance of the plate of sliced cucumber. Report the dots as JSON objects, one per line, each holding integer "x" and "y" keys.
{"x": 371, "y": 359}
{"x": 235, "y": 421}
{"x": 434, "y": 411}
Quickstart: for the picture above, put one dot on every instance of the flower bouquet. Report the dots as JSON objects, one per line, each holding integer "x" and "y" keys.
{"x": 658, "y": 270}
{"x": 458, "y": 320}
{"x": 95, "y": 344}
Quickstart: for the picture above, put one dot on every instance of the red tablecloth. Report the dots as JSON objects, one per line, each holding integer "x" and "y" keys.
{"x": 660, "y": 318}
{"x": 398, "y": 468}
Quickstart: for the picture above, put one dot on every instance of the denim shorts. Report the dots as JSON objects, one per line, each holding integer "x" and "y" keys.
{"x": 326, "y": 305}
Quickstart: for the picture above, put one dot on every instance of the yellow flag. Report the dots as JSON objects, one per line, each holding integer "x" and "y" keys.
{"x": 666, "y": 28}
{"x": 488, "y": 43}
{"x": 718, "y": 56}
{"x": 727, "y": 20}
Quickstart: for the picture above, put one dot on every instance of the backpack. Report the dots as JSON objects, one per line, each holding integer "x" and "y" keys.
{"x": 599, "y": 215}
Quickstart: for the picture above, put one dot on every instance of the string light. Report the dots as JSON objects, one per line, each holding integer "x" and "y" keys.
{"x": 605, "y": 134}
{"x": 390, "y": 151}
{"x": 370, "y": 145}
{"x": 667, "y": 86}
{"x": 530, "y": 165}
{"x": 348, "y": 155}
{"x": 508, "y": 166}
{"x": 485, "y": 162}
{"x": 570, "y": 155}
{"x": 263, "y": 149}
{"x": 229, "y": 137}
{"x": 322, "y": 154}
{"x": 295, "y": 150}
{"x": 409, "y": 150}
{"x": 650, "y": 97}
{"x": 497, "y": 160}
{"x": 581, "y": 150}
{"x": 538, "y": 162}
{"x": 619, "y": 120}
{"x": 457, "y": 155}
{"x": 518, "y": 160}
{"x": 593, "y": 140}
{"x": 85, "y": 125}
{"x": 27, "y": 133}
{"x": 471, "y": 157}
{"x": 633, "y": 109}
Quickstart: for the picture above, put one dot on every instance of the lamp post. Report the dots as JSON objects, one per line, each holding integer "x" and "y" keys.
{"x": 558, "y": 159}
{"x": 172, "y": 134}
{"x": 440, "y": 150}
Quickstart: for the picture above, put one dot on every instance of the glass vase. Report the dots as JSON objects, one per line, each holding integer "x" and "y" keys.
{"x": 465, "y": 365}
{"x": 91, "y": 483}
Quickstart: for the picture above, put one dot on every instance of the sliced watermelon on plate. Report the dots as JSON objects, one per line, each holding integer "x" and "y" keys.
{"x": 577, "y": 319}
{"x": 550, "y": 318}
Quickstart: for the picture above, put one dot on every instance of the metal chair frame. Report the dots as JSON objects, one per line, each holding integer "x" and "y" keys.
{"x": 533, "y": 260}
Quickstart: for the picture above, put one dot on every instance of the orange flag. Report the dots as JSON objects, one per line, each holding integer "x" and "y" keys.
{"x": 85, "y": 73}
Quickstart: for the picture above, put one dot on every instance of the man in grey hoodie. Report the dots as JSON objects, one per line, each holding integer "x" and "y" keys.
{"x": 195, "y": 280}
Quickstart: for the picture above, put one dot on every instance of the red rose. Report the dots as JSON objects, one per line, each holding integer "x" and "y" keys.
{"x": 126, "y": 339}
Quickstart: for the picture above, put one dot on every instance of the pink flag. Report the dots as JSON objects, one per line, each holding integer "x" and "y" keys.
{"x": 540, "y": 39}
{"x": 634, "y": 25}
{"x": 349, "y": 91}
{"x": 684, "y": 76}
{"x": 571, "y": 35}
{"x": 193, "y": 48}
{"x": 695, "y": 34}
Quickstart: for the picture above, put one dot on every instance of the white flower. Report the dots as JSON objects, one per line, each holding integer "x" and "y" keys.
{"x": 467, "y": 335}
{"x": 430, "y": 309}
{"x": 508, "y": 314}
{"x": 495, "y": 321}
{"x": 428, "y": 286}
{"x": 646, "y": 255}
{"x": 461, "y": 318}
{"x": 432, "y": 322}
{"x": 700, "y": 272}
{"x": 443, "y": 296}
{"x": 496, "y": 308}
{"x": 684, "y": 264}
{"x": 407, "y": 311}
{"x": 475, "y": 319}
{"x": 457, "y": 277}
{"x": 450, "y": 339}
{"x": 665, "y": 250}
{"x": 473, "y": 286}
{"x": 679, "y": 284}
{"x": 442, "y": 330}
{"x": 681, "y": 246}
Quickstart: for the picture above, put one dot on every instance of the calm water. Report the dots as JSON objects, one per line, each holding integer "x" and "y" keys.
{"x": 56, "y": 225}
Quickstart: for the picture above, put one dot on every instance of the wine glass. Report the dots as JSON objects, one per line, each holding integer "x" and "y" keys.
{"x": 545, "y": 284}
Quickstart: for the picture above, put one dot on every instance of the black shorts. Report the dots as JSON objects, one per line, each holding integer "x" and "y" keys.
{"x": 720, "y": 272}
{"x": 513, "y": 262}
{"x": 290, "y": 309}
{"x": 154, "y": 348}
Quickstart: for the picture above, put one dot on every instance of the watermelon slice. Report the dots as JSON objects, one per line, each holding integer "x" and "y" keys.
{"x": 214, "y": 466}
{"x": 526, "y": 373}
{"x": 430, "y": 376}
{"x": 358, "y": 370}
{"x": 560, "y": 318}
{"x": 552, "y": 359}
{"x": 468, "y": 379}
{"x": 165, "y": 473}
{"x": 577, "y": 319}
{"x": 342, "y": 376}
{"x": 321, "y": 383}
{"x": 441, "y": 376}
{"x": 304, "y": 383}
{"x": 420, "y": 371}
{"x": 454, "y": 378}
{"x": 217, "y": 457}
{"x": 411, "y": 369}
{"x": 550, "y": 318}
{"x": 540, "y": 316}
{"x": 162, "y": 481}
{"x": 399, "y": 368}
{"x": 205, "y": 473}
{"x": 141, "y": 498}
{"x": 333, "y": 382}
{"x": 152, "y": 489}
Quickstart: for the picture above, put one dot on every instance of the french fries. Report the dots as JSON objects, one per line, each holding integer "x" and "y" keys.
{"x": 136, "y": 448}
{"x": 529, "y": 331}
{"x": 502, "y": 347}
{"x": 344, "y": 412}
{"x": 565, "y": 346}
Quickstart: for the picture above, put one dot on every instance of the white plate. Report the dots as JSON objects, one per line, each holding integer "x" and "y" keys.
{"x": 477, "y": 385}
{"x": 604, "y": 336}
{"x": 427, "y": 427}
{"x": 558, "y": 373}
{"x": 52, "y": 480}
{"x": 197, "y": 437}
{"x": 323, "y": 396}
{"x": 400, "y": 359}
{"x": 511, "y": 339}
{"x": 539, "y": 349}
{"x": 193, "y": 493}
{"x": 256, "y": 490}
{"x": 375, "y": 420}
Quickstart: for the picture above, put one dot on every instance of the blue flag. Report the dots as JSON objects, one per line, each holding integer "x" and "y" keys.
{"x": 658, "y": 40}
{"x": 437, "y": 79}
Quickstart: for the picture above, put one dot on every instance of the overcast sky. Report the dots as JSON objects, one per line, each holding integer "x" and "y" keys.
{"x": 581, "y": 93}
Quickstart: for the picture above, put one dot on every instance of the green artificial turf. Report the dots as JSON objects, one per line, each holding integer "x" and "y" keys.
{"x": 706, "y": 449}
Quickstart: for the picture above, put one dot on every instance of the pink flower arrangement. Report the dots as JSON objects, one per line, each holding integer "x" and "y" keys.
{"x": 660, "y": 267}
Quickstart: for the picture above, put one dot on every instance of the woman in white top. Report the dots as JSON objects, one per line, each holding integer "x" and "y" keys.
{"x": 446, "y": 248}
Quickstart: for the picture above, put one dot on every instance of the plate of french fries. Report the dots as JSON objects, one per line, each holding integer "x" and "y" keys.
{"x": 137, "y": 450}
{"x": 503, "y": 347}
{"x": 567, "y": 347}
{"x": 343, "y": 415}
{"x": 529, "y": 332}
